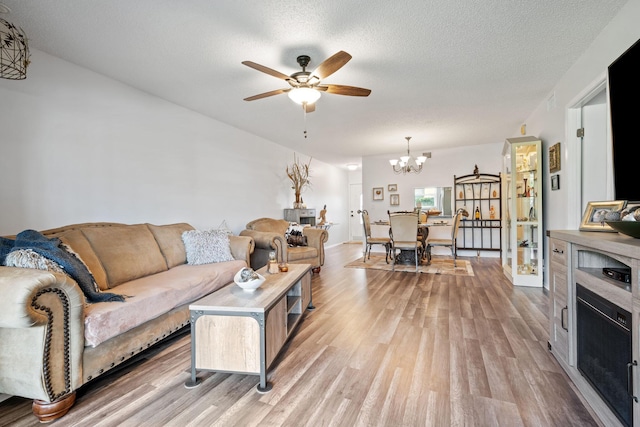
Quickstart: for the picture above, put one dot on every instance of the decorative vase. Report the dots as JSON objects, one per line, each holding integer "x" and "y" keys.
{"x": 526, "y": 189}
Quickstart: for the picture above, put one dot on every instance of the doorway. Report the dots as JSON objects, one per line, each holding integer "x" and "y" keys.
{"x": 587, "y": 175}
{"x": 355, "y": 221}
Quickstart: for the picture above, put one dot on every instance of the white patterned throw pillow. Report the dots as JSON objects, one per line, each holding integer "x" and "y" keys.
{"x": 206, "y": 246}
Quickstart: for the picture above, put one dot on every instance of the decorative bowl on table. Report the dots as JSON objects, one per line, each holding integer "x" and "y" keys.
{"x": 248, "y": 279}
{"x": 630, "y": 228}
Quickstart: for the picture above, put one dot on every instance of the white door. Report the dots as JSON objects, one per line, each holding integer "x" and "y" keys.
{"x": 355, "y": 204}
{"x": 594, "y": 150}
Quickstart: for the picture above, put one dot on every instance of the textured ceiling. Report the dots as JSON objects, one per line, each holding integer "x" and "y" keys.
{"x": 446, "y": 72}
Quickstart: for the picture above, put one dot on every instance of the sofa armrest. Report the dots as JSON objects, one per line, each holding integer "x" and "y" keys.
{"x": 316, "y": 237}
{"x": 242, "y": 247}
{"x": 269, "y": 241}
{"x": 42, "y": 333}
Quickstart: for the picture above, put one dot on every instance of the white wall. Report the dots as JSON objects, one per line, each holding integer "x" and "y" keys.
{"x": 550, "y": 124}
{"x": 438, "y": 171}
{"x": 76, "y": 146}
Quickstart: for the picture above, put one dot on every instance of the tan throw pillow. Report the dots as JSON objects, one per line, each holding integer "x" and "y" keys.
{"x": 206, "y": 247}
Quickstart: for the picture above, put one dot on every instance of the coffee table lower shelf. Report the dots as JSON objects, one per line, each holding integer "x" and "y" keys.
{"x": 242, "y": 332}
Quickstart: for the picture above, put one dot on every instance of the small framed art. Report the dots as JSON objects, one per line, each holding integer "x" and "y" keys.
{"x": 378, "y": 193}
{"x": 555, "y": 182}
{"x": 554, "y": 157}
{"x": 392, "y": 187}
{"x": 394, "y": 199}
{"x": 594, "y": 215}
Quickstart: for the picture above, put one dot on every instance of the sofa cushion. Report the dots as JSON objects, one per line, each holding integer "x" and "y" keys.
{"x": 298, "y": 253}
{"x": 207, "y": 246}
{"x": 80, "y": 245}
{"x": 169, "y": 238}
{"x": 154, "y": 295}
{"x": 126, "y": 252}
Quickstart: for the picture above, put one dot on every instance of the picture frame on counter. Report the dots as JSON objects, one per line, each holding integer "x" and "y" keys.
{"x": 593, "y": 218}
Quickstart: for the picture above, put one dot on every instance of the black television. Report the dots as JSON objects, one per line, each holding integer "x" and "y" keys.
{"x": 624, "y": 95}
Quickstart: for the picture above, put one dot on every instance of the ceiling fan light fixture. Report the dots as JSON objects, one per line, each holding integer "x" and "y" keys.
{"x": 304, "y": 95}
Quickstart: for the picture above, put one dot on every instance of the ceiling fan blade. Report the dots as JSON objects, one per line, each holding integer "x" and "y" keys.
{"x": 309, "y": 108}
{"x": 331, "y": 65}
{"x": 267, "y": 70}
{"x": 344, "y": 90}
{"x": 266, "y": 94}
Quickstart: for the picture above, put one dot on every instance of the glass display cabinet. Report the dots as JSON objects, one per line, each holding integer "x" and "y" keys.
{"x": 522, "y": 208}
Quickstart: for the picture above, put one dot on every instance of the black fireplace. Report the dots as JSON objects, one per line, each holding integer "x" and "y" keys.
{"x": 604, "y": 351}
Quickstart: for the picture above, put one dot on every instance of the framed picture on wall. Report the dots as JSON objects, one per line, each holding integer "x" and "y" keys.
{"x": 554, "y": 158}
{"x": 378, "y": 193}
{"x": 555, "y": 182}
{"x": 392, "y": 187}
{"x": 394, "y": 199}
{"x": 594, "y": 215}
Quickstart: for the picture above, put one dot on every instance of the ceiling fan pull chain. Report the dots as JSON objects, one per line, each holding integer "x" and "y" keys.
{"x": 304, "y": 110}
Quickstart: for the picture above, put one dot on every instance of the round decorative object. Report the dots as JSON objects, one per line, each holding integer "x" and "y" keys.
{"x": 630, "y": 228}
{"x": 248, "y": 279}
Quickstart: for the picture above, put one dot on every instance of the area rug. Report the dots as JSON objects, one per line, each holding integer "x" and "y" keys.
{"x": 437, "y": 266}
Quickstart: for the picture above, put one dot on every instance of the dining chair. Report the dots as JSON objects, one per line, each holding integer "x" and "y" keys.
{"x": 403, "y": 232}
{"x": 370, "y": 241}
{"x": 451, "y": 243}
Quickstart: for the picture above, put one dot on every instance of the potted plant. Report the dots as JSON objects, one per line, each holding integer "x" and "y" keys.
{"x": 298, "y": 173}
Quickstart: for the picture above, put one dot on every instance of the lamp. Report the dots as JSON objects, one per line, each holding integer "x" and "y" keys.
{"x": 404, "y": 164}
{"x": 14, "y": 50}
{"x": 304, "y": 95}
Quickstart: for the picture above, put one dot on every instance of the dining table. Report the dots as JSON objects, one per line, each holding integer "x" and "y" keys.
{"x": 407, "y": 256}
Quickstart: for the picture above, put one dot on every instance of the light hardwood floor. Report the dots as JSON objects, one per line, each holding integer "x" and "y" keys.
{"x": 381, "y": 349}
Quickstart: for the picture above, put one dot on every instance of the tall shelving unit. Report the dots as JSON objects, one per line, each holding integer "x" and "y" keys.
{"x": 480, "y": 194}
{"x": 522, "y": 256}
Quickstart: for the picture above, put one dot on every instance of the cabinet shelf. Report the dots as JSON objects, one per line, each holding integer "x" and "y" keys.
{"x": 481, "y": 192}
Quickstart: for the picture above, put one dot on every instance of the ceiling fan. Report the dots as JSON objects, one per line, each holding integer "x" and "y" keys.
{"x": 305, "y": 86}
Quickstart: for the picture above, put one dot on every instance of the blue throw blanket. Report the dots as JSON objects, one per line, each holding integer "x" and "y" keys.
{"x": 54, "y": 250}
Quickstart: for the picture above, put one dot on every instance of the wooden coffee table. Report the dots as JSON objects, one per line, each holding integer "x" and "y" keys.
{"x": 233, "y": 330}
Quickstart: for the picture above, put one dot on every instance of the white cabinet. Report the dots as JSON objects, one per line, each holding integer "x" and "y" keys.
{"x": 522, "y": 211}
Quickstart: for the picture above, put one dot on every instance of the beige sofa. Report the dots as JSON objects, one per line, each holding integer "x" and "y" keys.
{"x": 53, "y": 342}
{"x": 269, "y": 235}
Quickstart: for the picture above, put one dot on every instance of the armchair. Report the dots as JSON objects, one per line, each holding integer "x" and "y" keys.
{"x": 269, "y": 235}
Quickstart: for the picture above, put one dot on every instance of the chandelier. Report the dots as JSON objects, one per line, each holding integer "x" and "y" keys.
{"x": 408, "y": 164}
{"x": 14, "y": 50}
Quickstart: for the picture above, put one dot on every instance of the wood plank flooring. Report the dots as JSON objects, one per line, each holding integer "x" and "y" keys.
{"x": 381, "y": 349}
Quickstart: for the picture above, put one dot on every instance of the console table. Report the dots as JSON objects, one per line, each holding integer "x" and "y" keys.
{"x": 233, "y": 330}
{"x": 577, "y": 259}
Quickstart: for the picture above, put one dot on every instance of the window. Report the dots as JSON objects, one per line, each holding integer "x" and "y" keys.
{"x": 433, "y": 198}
